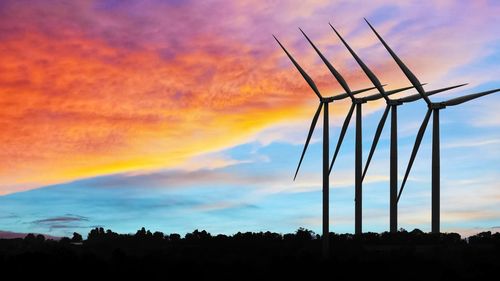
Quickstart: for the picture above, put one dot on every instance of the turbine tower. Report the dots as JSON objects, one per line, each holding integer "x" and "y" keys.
{"x": 391, "y": 104}
{"x": 323, "y": 104}
{"x": 433, "y": 108}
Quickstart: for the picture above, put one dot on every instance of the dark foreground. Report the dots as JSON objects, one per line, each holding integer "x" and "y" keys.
{"x": 402, "y": 256}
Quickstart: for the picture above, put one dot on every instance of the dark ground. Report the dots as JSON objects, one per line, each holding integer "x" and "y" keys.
{"x": 401, "y": 256}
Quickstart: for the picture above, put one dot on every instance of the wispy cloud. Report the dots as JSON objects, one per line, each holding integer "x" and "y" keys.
{"x": 486, "y": 115}
{"x": 471, "y": 143}
{"x": 62, "y": 219}
{"x": 223, "y": 205}
{"x": 211, "y": 161}
{"x": 68, "y": 221}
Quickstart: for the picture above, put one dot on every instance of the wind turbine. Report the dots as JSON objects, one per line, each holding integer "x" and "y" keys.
{"x": 433, "y": 108}
{"x": 323, "y": 104}
{"x": 391, "y": 104}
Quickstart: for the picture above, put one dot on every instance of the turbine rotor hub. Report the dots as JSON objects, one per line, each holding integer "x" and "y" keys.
{"x": 327, "y": 100}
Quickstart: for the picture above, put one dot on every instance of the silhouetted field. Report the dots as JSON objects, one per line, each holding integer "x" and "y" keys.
{"x": 404, "y": 256}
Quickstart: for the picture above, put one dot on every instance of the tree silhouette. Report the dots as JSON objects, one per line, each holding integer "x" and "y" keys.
{"x": 249, "y": 255}
{"x": 77, "y": 238}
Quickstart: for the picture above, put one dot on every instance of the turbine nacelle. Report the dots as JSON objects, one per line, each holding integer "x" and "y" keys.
{"x": 436, "y": 105}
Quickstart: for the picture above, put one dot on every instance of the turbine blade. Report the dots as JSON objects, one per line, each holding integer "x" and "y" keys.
{"x": 413, "y": 79}
{"x": 302, "y": 72}
{"x": 418, "y": 140}
{"x": 345, "y": 95}
{"x": 459, "y": 100}
{"x": 311, "y": 130}
{"x": 342, "y": 134}
{"x": 330, "y": 67}
{"x": 380, "y": 127}
{"x": 391, "y": 92}
{"x": 417, "y": 96}
{"x": 363, "y": 66}
{"x": 365, "y": 89}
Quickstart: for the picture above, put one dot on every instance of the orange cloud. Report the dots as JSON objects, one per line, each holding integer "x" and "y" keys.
{"x": 87, "y": 90}
{"x": 77, "y": 108}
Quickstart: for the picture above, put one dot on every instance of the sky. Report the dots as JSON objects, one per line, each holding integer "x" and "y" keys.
{"x": 182, "y": 115}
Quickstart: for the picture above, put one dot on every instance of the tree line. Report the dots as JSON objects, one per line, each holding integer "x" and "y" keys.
{"x": 414, "y": 255}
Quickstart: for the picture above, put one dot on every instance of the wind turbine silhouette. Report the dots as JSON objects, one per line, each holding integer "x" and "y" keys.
{"x": 323, "y": 104}
{"x": 433, "y": 108}
{"x": 391, "y": 104}
{"x": 356, "y": 102}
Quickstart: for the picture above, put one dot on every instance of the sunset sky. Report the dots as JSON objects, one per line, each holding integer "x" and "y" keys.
{"x": 181, "y": 115}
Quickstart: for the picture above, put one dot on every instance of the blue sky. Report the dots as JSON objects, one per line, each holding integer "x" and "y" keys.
{"x": 256, "y": 191}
